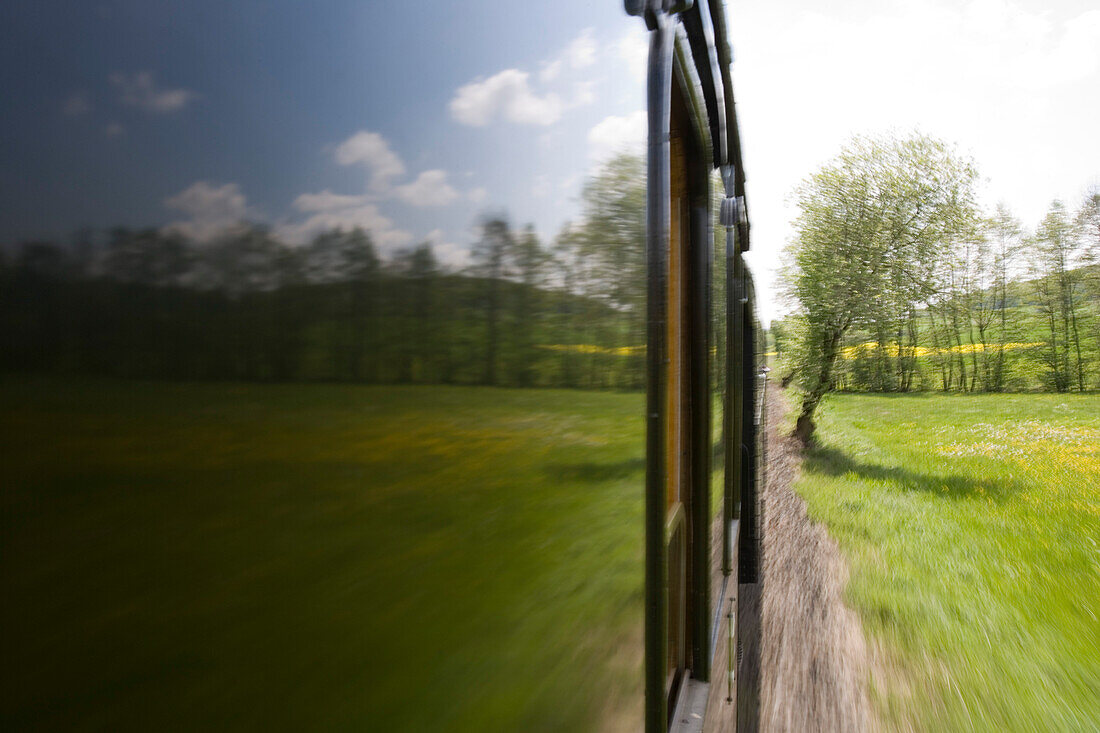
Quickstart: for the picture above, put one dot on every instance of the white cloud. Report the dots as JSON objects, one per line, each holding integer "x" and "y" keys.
{"x": 616, "y": 134}
{"x": 1010, "y": 45}
{"x": 429, "y": 189}
{"x": 477, "y": 195}
{"x": 550, "y": 70}
{"x": 507, "y": 96}
{"x": 76, "y": 104}
{"x": 328, "y": 210}
{"x": 579, "y": 54}
{"x": 634, "y": 52}
{"x": 373, "y": 152}
{"x": 211, "y": 209}
{"x": 361, "y": 214}
{"x": 328, "y": 201}
{"x": 140, "y": 90}
{"x": 449, "y": 254}
{"x": 584, "y": 92}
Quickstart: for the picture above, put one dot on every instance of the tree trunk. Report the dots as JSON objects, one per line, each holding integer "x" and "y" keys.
{"x": 1077, "y": 344}
{"x": 805, "y": 426}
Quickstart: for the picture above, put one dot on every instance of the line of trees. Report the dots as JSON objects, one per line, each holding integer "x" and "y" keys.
{"x": 901, "y": 283}
{"x": 151, "y": 303}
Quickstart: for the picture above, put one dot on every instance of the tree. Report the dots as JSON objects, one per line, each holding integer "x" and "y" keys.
{"x": 418, "y": 341}
{"x": 870, "y": 228}
{"x": 530, "y": 262}
{"x": 1088, "y": 224}
{"x": 490, "y": 255}
{"x": 1005, "y": 236}
{"x": 147, "y": 256}
{"x": 566, "y": 318}
{"x": 957, "y": 297}
{"x": 360, "y": 267}
{"x": 347, "y": 262}
{"x": 612, "y": 251}
{"x": 1058, "y": 290}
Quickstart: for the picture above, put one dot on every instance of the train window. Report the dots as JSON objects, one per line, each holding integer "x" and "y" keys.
{"x": 678, "y": 405}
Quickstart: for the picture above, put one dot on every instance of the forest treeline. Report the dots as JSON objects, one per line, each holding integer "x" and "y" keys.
{"x": 969, "y": 302}
{"x": 152, "y": 303}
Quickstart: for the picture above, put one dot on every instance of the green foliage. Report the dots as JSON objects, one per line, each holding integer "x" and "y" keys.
{"x": 970, "y": 524}
{"x": 1011, "y": 354}
{"x": 868, "y": 233}
{"x": 902, "y": 286}
{"x": 1058, "y": 292}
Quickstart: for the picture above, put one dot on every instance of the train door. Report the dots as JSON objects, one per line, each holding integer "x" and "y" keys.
{"x": 684, "y": 380}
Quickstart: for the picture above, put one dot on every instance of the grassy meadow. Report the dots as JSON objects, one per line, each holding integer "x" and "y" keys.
{"x": 196, "y": 556}
{"x": 971, "y": 525}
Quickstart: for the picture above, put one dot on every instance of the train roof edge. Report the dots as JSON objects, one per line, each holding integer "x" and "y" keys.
{"x": 704, "y": 30}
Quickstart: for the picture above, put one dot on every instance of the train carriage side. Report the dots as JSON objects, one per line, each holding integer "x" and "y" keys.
{"x": 694, "y": 634}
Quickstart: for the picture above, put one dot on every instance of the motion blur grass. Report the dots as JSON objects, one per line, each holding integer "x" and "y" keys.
{"x": 971, "y": 525}
{"x": 319, "y": 557}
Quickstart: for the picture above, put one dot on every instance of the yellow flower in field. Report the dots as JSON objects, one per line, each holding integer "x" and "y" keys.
{"x": 871, "y": 348}
{"x": 595, "y": 349}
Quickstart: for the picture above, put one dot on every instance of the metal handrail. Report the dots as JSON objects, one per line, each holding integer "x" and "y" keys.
{"x": 764, "y": 369}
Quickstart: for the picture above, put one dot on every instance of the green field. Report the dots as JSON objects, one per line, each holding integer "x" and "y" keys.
{"x": 972, "y": 529}
{"x": 190, "y": 556}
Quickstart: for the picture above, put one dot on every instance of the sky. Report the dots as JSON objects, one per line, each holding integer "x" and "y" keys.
{"x": 413, "y": 119}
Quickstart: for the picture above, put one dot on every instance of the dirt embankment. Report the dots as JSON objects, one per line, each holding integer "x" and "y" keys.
{"x": 812, "y": 656}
